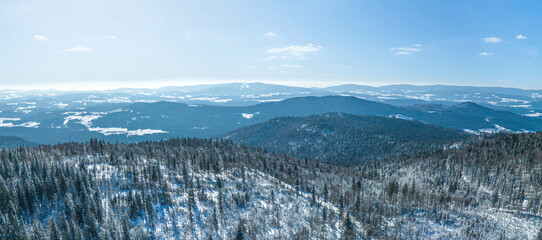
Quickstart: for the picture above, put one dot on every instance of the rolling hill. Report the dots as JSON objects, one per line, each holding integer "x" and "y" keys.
{"x": 11, "y": 142}
{"x": 160, "y": 120}
{"x": 344, "y": 138}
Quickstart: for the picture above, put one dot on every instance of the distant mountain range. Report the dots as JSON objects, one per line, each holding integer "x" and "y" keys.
{"x": 159, "y": 120}
{"x": 344, "y": 138}
{"x": 523, "y": 102}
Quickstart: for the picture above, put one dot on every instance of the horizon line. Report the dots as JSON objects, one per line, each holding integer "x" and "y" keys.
{"x": 158, "y": 84}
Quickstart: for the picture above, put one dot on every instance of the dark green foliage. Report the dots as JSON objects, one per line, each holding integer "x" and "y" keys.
{"x": 349, "y": 233}
{"x": 240, "y": 232}
{"x": 344, "y": 138}
{"x": 60, "y": 192}
{"x": 118, "y": 191}
{"x": 12, "y": 142}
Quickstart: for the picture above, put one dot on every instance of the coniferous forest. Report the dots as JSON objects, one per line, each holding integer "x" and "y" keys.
{"x": 190, "y": 188}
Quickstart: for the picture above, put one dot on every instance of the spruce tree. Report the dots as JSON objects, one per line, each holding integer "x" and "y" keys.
{"x": 240, "y": 233}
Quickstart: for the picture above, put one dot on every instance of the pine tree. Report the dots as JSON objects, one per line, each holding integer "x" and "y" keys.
{"x": 349, "y": 233}
{"x": 240, "y": 233}
{"x": 52, "y": 229}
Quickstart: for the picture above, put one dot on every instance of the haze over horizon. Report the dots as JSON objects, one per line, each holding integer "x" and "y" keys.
{"x": 102, "y": 86}
{"x": 119, "y": 44}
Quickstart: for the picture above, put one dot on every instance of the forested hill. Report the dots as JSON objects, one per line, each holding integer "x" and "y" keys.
{"x": 478, "y": 190}
{"x": 11, "y": 142}
{"x": 180, "y": 188}
{"x": 215, "y": 189}
{"x": 344, "y": 138}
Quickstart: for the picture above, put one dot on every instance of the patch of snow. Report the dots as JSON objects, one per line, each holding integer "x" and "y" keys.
{"x": 61, "y": 105}
{"x": 8, "y": 124}
{"x": 401, "y": 116}
{"x": 471, "y": 131}
{"x": 249, "y": 115}
{"x": 425, "y": 97}
{"x": 26, "y": 109}
{"x": 141, "y": 132}
{"x": 120, "y": 131}
{"x": 29, "y": 124}
{"x": 85, "y": 120}
{"x": 269, "y": 100}
{"x": 222, "y": 100}
{"x": 521, "y": 106}
{"x": 508, "y": 100}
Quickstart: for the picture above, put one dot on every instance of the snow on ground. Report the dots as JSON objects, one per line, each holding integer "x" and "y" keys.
{"x": 471, "y": 131}
{"x": 521, "y": 106}
{"x": 121, "y": 131}
{"x": 249, "y": 115}
{"x": 86, "y": 118}
{"x": 418, "y": 225}
{"x": 61, "y": 104}
{"x": 401, "y": 116}
{"x": 270, "y": 100}
{"x": 211, "y": 99}
{"x": 10, "y": 123}
{"x": 270, "y": 203}
{"x": 264, "y": 95}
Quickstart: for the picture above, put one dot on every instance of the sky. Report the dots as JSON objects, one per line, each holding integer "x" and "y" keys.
{"x": 100, "y": 44}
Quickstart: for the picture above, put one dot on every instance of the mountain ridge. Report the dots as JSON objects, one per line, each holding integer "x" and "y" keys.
{"x": 342, "y": 138}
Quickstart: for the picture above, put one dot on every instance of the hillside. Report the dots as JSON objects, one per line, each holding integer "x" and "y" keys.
{"x": 195, "y": 188}
{"x": 11, "y": 142}
{"x": 344, "y": 138}
{"x": 162, "y": 120}
{"x": 180, "y": 188}
{"x": 495, "y": 180}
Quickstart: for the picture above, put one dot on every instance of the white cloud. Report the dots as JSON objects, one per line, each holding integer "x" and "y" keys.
{"x": 407, "y": 50}
{"x": 492, "y": 40}
{"x": 403, "y": 53}
{"x": 40, "y": 37}
{"x": 521, "y": 37}
{"x": 485, "y": 54}
{"x": 271, "y": 34}
{"x": 78, "y": 48}
{"x": 292, "y": 66}
{"x": 295, "y": 50}
{"x": 109, "y": 36}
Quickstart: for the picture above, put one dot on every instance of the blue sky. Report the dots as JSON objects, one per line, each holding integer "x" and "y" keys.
{"x": 107, "y": 44}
